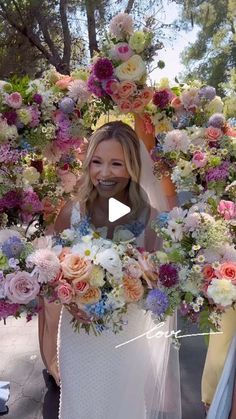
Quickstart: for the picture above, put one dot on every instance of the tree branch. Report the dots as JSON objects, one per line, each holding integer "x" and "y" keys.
{"x": 129, "y": 6}
{"x": 93, "y": 45}
{"x": 66, "y": 35}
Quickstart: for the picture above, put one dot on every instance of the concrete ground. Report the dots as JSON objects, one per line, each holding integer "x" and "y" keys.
{"x": 35, "y": 396}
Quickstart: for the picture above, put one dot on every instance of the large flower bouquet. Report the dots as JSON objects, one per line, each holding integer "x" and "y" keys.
{"x": 201, "y": 247}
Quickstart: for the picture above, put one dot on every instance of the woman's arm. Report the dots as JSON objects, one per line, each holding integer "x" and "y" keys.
{"x": 63, "y": 219}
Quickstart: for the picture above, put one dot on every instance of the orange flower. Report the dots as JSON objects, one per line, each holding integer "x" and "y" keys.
{"x": 75, "y": 267}
{"x": 64, "y": 82}
{"x": 133, "y": 289}
{"x": 208, "y": 272}
{"x": 228, "y": 271}
{"x": 91, "y": 296}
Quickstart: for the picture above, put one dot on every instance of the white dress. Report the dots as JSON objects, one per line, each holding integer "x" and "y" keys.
{"x": 100, "y": 381}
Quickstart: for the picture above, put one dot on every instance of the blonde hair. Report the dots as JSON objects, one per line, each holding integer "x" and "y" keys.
{"x": 129, "y": 141}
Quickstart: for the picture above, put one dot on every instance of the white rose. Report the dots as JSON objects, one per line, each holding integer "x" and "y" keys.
{"x": 131, "y": 70}
{"x": 222, "y": 291}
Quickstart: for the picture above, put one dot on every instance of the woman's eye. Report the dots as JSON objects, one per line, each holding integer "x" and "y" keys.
{"x": 117, "y": 164}
{"x": 96, "y": 161}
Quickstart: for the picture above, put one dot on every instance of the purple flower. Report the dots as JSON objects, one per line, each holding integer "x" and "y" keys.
{"x": 8, "y": 309}
{"x": 103, "y": 69}
{"x": 35, "y": 115}
{"x": 94, "y": 86}
{"x": 157, "y": 301}
{"x": 37, "y": 98}
{"x": 168, "y": 275}
{"x": 11, "y": 117}
{"x": 207, "y": 92}
{"x": 11, "y": 199}
{"x": 162, "y": 98}
{"x": 218, "y": 173}
{"x": 12, "y": 247}
{"x": 67, "y": 105}
{"x": 217, "y": 120}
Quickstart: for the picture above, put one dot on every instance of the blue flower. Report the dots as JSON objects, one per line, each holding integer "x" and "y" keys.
{"x": 157, "y": 301}
{"x": 162, "y": 219}
{"x": 12, "y": 247}
{"x": 84, "y": 226}
{"x": 136, "y": 227}
{"x": 97, "y": 309}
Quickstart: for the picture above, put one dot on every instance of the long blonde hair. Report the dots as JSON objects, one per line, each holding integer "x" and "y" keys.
{"x": 129, "y": 141}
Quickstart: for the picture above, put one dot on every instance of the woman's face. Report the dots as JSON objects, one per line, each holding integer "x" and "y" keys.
{"x": 108, "y": 170}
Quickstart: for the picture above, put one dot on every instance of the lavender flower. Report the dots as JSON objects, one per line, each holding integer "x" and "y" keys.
{"x": 94, "y": 86}
{"x": 168, "y": 275}
{"x": 103, "y": 69}
{"x": 12, "y": 247}
{"x": 157, "y": 301}
{"x": 218, "y": 173}
{"x": 217, "y": 120}
{"x": 207, "y": 92}
{"x": 67, "y": 105}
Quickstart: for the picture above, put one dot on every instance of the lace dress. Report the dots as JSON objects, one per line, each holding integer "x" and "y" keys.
{"x": 101, "y": 381}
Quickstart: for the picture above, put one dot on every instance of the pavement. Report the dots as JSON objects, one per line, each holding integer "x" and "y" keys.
{"x": 34, "y": 395}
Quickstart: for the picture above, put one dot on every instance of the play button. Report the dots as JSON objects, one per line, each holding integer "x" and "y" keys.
{"x": 117, "y": 209}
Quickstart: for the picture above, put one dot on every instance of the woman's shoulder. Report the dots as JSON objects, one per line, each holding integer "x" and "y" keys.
{"x": 63, "y": 220}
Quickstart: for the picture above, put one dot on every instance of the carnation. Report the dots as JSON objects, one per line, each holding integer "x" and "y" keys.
{"x": 157, "y": 301}
{"x": 190, "y": 98}
{"x": 121, "y": 25}
{"x": 176, "y": 140}
{"x": 46, "y": 264}
{"x": 103, "y": 69}
{"x": 222, "y": 291}
{"x": 78, "y": 91}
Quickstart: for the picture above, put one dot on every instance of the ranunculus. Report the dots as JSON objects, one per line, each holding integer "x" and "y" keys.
{"x": 92, "y": 296}
{"x": 199, "y": 159}
{"x": 137, "y": 105}
{"x": 208, "y": 272}
{"x": 213, "y": 134}
{"x": 21, "y": 287}
{"x": 227, "y": 209}
{"x": 121, "y": 51}
{"x": 109, "y": 259}
{"x": 133, "y": 289}
{"x": 228, "y": 271}
{"x": 65, "y": 292}
{"x": 222, "y": 291}
{"x": 124, "y": 105}
{"x": 14, "y": 100}
{"x": 75, "y": 267}
{"x": 64, "y": 82}
{"x": 80, "y": 286}
{"x": 133, "y": 69}
{"x": 110, "y": 86}
{"x": 126, "y": 89}
{"x": 146, "y": 95}
{"x": 137, "y": 41}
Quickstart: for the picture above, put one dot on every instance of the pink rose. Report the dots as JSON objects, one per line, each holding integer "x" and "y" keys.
{"x": 65, "y": 292}
{"x": 228, "y": 271}
{"x": 124, "y": 105}
{"x": 199, "y": 159}
{"x": 176, "y": 103}
{"x": 137, "y": 105}
{"x": 213, "y": 134}
{"x": 21, "y": 287}
{"x": 146, "y": 95}
{"x": 111, "y": 86}
{"x": 14, "y": 100}
{"x": 126, "y": 89}
{"x": 227, "y": 209}
{"x": 75, "y": 267}
{"x": 122, "y": 51}
{"x": 80, "y": 286}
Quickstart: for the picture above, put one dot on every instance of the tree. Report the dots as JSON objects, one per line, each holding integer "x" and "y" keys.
{"x": 63, "y": 33}
{"x": 214, "y": 51}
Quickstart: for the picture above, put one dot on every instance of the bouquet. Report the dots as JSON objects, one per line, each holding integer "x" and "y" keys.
{"x": 201, "y": 247}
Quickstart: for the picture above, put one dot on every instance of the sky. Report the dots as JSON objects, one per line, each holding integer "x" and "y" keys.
{"x": 171, "y": 53}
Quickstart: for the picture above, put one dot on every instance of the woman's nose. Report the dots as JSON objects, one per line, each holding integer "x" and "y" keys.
{"x": 105, "y": 170}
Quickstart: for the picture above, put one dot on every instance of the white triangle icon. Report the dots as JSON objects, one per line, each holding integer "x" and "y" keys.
{"x": 117, "y": 209}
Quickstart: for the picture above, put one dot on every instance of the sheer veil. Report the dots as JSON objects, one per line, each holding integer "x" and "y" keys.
{"x": 162, "y": 388}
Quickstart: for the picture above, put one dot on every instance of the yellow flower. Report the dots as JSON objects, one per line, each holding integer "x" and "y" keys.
{"x": 164, "y": 83}
{"x": 24, "y": 115}
{"x": 3, "y": 261}
{"x": 137, "y": 41}
{"x": 31, "y": 175}
{"x": 97, "y": 277}
{"x": 133, "y": 69}
{"x": 163, "y": 126}
{"x": 216, "y": 105}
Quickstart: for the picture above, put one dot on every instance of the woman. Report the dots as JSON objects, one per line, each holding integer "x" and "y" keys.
{"x": 219, "y": 370}
{"x": 139, "y": 380}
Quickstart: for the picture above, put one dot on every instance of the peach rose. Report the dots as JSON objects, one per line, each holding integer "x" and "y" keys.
{"x": 126, "y": 89}
{"x": 116, "y": 97}
{"x": 125, "y": 106}
{"x": 91, "y": 296}
{"x": 65, "y": 292}
{"x": 75, "y": 267}
{"x": 133, "y": 289}
{"x": 228, "y": 271}
{"x": 64, "y": 82}
{"x": 80, "y": 286}
{"x": 146, "y": 95}
{"x": 176, "y": 103}
{"x": 208, "y": 272}
{"x": 213, "y": 134}
{"x": 137, "y": 105}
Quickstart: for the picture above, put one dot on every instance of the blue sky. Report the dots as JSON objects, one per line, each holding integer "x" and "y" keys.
{"x": 171, "y": 53}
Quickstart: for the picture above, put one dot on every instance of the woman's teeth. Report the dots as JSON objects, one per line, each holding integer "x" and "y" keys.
{"x": 106, "y": 183}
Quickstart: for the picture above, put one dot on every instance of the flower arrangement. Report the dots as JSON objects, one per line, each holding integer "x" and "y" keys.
{"x": 201, "y": 246}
